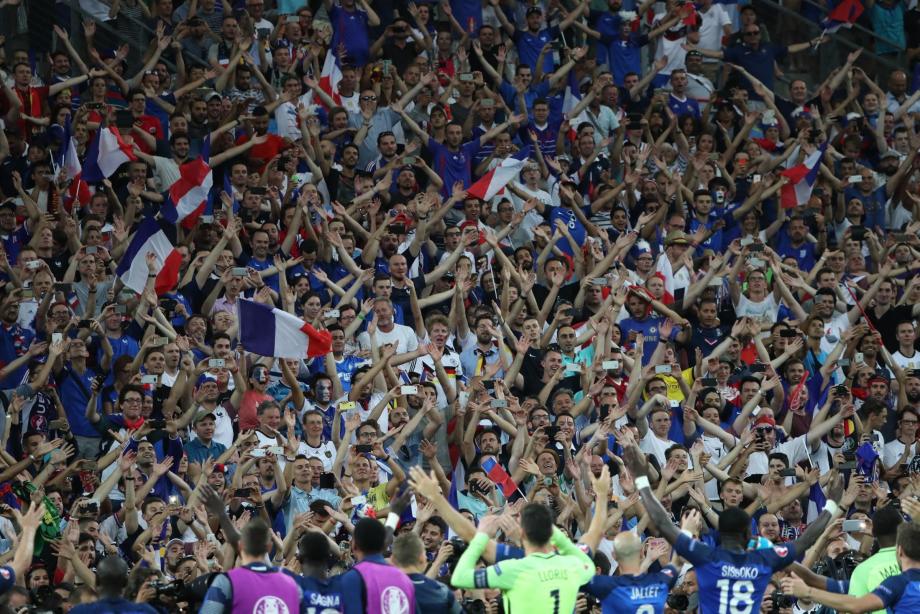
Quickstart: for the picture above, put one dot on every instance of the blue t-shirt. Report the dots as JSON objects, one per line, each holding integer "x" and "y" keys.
{"x": 74, "y": 390}
{"x": 683, "y": 107}
{"x": 647, "y": 327}
{"x": 625, "y": 55}
{"x": 114, "y": 606}
{"x": 733, "y": 581}
{"x": 646, "y": 593}
{"x": 453, "y": 166}
{"x": 349, "y": 28}
{"x": 900, "y": 593}
{"x": 529, "y": 46}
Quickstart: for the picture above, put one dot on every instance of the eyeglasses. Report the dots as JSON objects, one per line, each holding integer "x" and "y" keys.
{"x": 368, "y": 98}
{"x": 908, "y": 421}
{"x": 752, "y": 32}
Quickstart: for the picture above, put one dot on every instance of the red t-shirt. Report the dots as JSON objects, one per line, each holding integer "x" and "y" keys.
{"x": 264, "y": 152}
{"x": 152, "y": 126}
{"x": 247, "y": 415}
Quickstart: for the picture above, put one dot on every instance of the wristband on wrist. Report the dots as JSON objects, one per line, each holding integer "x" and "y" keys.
{"x": 642, "y": 482}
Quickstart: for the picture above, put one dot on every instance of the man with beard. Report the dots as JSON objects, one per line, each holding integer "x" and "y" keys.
{"x": 476, "y": 446}
{"x": 341, "y": 181}
{"x": 479, "y": 358}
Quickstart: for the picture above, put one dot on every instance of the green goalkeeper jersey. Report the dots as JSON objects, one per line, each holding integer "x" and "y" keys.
{"x": 536, "y": 584}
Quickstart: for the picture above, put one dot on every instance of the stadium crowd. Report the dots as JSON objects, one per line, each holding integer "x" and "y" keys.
{"x": 319, "y": 306}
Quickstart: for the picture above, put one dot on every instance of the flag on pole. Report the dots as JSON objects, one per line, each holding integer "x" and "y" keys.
{"x": 498, "y": 475}
{"x": 495, "y": 180}
{"x": 132, "y": 269}
{"x": 187, "y": 198}
{"x": 802, "y": 179}
{"x": 844, "y": 15}
{"x": 269, "y": 331}
{"x": 107, "y": 151}
{"x": 330, "y": 76}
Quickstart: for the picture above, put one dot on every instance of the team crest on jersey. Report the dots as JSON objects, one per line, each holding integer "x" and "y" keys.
{"x": 270, "y": 605}
{"x": 668, "y": 572}
{"x": 394, "y": 601}
{"x": 781, "y": 550}
{"x": 652, "y": 329}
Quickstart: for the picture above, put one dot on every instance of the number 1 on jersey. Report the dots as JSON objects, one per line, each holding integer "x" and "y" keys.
{"x": 555, "y": 595}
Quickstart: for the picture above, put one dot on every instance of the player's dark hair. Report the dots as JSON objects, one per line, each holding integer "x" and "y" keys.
{"x": 313, "y": 548}
{"x": 602, "y": 563}
{"x": 735, "y": 521}
{"x": 909, "y": 540}
{"x": 370, "y": 536}
{"x": 256, "y": 537}
{"x": 885, "y": 523}
{"x": 110, "y": 575}
{"x": 537, "y": 523}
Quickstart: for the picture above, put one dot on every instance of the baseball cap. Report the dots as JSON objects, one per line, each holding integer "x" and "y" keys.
{"x": 201, "y": 415}
{"x": 210, "y": 95}
{"x": 534, "y": 9}
{"x": 204, "y": 378}
{"x": 676, "y": 236}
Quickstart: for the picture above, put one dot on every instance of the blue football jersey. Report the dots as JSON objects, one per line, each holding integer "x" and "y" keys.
{"x": 733, "y": 582}
{"x": 901, "y": 593}
{"x": 320, "y": 596}
{"x": 643, "y": 594}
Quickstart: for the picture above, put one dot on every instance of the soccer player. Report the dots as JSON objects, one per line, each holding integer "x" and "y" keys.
{"x": 732, "y": 580}
{"x": 900, "y": 594}
{"x": 631, "y": 591}
{"x": 320, "y": 592}
{"x": 373, "y": 585}
{"x": 542, "y": 581}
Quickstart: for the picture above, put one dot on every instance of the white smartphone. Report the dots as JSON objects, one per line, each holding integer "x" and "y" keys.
{"x": 855, "y": 178}
{"x": 610, "y": 364}
{"x": 56, "y": 337}
{"x": 663, "y": 370}
{"x": 408, "y": 390}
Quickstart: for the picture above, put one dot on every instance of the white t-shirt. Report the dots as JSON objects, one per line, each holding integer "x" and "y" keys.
{"x": 402, "y": 337}
{"x": 893, "y": 450}
{"x": 325, "y": 452}
{"x": 223, "y": 427}
{"x": 796, "y": 450}
{"x": 907, "y": 362}
{"x": 651, "y": 444}
{"x": 765, "y": 310}
{"x": 833, "y": 331}
{"x": 712, "y": 29}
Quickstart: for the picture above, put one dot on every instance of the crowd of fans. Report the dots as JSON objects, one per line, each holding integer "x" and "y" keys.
{"x": 643, "y": 280}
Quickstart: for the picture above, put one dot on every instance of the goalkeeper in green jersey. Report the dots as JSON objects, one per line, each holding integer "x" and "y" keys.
{"x": 547, "y": 579}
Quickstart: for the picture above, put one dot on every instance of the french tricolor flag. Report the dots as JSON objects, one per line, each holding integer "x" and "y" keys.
{"x": 495, "y": 180}
{"x": 802, "y": 179}
{"x": 106, "y": 153}
{"x": 269, "y": 331}
{"x": 844, "y": 15}
{"x": 188, "y": 197}
{"x": 330, "y": 76}
{"x": 150, "y": 238}
{"x": 498, "y": 475}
